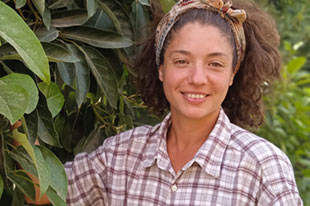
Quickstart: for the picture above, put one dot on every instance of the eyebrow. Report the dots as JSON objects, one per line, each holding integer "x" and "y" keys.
{"x": 214, "y": 54}
{"x": 181, "y": 52}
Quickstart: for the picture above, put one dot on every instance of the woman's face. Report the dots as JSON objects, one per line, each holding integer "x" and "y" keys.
{"x": 197, "y": 71}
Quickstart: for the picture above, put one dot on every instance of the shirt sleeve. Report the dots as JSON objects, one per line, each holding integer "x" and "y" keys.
{"x": 86, "y": 179}
{"x": 279, "y": 187}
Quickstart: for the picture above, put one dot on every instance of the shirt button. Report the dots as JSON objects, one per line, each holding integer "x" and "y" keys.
{"x": 174, "y": 188}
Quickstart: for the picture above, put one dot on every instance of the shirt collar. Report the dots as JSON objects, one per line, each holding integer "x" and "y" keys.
{"x": 211, "y": 153}
{"x": 209, "y": 156}
{"x": 157, "y": 149}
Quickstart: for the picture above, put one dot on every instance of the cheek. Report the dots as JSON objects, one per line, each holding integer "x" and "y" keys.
{"x": 221, "y": 81}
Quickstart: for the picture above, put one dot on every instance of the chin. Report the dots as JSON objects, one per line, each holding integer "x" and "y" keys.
{"x": 197, "y": 114}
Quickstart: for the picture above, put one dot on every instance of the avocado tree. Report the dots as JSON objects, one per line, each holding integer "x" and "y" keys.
{"x": 63, "y": 75}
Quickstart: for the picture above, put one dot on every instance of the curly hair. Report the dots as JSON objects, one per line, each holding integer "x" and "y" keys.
{"x": 261, "y": 64}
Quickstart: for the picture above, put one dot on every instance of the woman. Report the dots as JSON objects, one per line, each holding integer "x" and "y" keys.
{"x": 208, "y": 67}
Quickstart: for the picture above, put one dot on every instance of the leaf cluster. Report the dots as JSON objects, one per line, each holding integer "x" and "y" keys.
{"x": 65, "y": 71}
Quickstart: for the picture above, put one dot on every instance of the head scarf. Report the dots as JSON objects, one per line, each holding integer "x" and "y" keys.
{"x": 235, "y": 17}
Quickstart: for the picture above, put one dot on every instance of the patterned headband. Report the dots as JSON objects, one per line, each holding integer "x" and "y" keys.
{"x": 223, "y": 7}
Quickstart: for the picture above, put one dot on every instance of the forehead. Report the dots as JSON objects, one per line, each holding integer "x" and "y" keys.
{"x": 199, "y": 39}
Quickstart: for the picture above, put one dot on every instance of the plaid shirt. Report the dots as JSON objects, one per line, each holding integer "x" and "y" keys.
{"x": 232, "y": 167}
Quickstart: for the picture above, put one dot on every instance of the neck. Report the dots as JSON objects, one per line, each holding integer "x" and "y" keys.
{"x": 187, "y": 133}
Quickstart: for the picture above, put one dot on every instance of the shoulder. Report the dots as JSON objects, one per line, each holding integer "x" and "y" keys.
{"x": 134, "y": 138}
{"x": 271, "y": 165}
{"x": 258, "y": 148}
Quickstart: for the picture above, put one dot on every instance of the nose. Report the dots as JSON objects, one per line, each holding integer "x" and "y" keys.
{"x": 198, "y": 75}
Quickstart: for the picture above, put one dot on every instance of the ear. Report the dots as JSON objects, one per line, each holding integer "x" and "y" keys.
{"x": 160, "y": 72}
{"x": 231, "y": 81}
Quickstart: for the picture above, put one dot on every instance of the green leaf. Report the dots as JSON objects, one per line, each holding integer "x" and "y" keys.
{"x": 166, "y": 5}
{"x": 1, "y": 186}
{"x": 44, "y": 12}
{"x": 54, "y": 52}
{"x": 97, "y": 38}
{"x": 66, "y": 71}
{"x": 122, "y": 17}
{"x": 13, "y": 102}
{"x": 43, "y": 171}
{"x": 140, "y": 18}
{"x": 32, "y": 126}
{"x": 91, "y": 7}
{"x": 104, "y": 74}
{"x": 18, "y": 197}
{"x": 111, "y": 15}
{"x": 54, "y": 197}
{"x": 15, "y": 31}
{"x": 69, "y": 18}
{"x": 23, "y": 183}
{"x": 25, "y": 81}
{"x": 144, "y": 2}
{"x": 57, "y": 53}
{"x": 47, "y": 35}
{"x": 296, "y": 64}
{"x": 67, "y": 130}
{"x": 20, "y": 3}
{"x": 56, "y": 4}
{"x": 21, "y": 138}
{"x": 46, "y": 129}
{"x": 77, "y": 74}
{"x": 55, "y": 99}
{"x": 21, "y": 156}
{"x": 59, "y": 180}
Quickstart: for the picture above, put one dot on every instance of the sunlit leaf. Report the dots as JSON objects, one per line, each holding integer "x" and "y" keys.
{"x": 166, "y": 4}
{"x": 25, "y": 81}
{"x": 15, "y": 31}
{"x": 54, "y": 197}
{"x": 296, "y": 64}
{"x": 20, "y": 3}
{"x": 43, "y": 171}
{"x": 13, "y": 102}
{"x": 21, "y": 138}
{"x": 55, "y": 99}
{"x": 91, "y": 7}
{"x": 59, "y": 180}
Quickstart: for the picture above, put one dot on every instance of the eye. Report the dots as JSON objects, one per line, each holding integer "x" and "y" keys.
{"x": 215, "y": 64}
{"x": 180, "y": 62}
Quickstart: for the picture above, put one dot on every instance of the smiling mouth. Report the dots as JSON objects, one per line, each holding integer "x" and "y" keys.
{"x": 195, "y": 96}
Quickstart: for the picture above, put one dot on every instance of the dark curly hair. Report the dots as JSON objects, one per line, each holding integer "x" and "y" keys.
{"x": 261, "y": 64}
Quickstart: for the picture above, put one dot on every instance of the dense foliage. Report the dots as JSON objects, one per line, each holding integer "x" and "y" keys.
{"x": 66, "y": 73}
{"x": 288, "y": 104}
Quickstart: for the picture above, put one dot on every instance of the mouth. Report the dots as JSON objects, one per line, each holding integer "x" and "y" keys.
{"x": 196, "y": 96}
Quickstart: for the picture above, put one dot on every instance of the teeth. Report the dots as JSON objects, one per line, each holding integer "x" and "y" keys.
{"x": 195, "y": 96}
